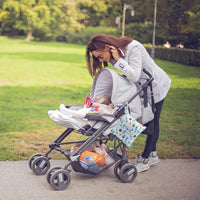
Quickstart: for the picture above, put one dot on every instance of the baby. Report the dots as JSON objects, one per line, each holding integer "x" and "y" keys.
{"x": 101, "y": 105}
{"x": 95, "y": 105}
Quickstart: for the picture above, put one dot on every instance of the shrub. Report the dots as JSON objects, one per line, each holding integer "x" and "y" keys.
{"x": 84, "y": 36}
{"x": 182, "y": 56}
{"x": 139, "y": 31}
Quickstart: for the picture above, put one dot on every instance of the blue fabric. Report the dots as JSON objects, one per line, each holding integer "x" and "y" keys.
{"x": 127, "y": 129}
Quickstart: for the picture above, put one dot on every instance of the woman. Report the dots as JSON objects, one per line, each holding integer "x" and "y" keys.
{"x": 130, "y": 58}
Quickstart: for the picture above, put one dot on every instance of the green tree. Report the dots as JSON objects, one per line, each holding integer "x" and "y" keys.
{"x": 114, "y": 9}
{"x": 191, "y": 28}
{"x": 39, "y": 17}
{"x": 177, "y": 20}
{"x": 23, "y": 16}
{"x": 193, "y": 18}
{"x": 93, "y": 11}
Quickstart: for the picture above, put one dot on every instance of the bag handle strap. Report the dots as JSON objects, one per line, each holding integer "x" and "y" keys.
{"x": 126, "y": 110}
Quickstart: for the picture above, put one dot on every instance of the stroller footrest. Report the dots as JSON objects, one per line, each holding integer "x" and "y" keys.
{"x": 100, "y": 117}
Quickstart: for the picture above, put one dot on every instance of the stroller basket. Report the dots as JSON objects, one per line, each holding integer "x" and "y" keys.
{"x": 96, "y": 167}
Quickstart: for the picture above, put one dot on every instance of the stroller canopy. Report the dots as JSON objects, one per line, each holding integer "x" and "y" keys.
{"x": 122, "y": 91}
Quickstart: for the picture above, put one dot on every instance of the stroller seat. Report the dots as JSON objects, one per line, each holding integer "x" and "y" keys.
{"x": 77, "y": 120}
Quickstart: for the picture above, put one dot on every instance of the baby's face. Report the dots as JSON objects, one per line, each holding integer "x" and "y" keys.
{"x": 104, "y": 100}
{"x": 102, "y": 55}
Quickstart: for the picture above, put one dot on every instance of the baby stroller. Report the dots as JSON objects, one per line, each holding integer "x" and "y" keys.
{"x": 97, "y": 128}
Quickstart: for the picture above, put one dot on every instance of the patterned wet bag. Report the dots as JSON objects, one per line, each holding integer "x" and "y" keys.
{"x": 127, "y": 129}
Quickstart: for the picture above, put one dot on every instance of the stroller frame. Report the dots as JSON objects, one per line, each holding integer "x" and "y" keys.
{"x": 59, "y": 178}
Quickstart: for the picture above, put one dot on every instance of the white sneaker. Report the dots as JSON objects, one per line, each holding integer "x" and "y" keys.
{"x": 142, "y": 164}
{"x": 153, "y": 158}
{"x": 137, "y": 159}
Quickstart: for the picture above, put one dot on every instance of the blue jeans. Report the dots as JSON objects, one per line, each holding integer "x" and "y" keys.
{"x": 152, "y": 139}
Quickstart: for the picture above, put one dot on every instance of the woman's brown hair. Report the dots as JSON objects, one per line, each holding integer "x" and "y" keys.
{"x": 98, "y": 42}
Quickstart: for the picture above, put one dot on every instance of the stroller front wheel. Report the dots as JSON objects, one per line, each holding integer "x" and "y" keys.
{"x": 128, "y": 173}
{"x": 117, "y": 168}
{"x": 40, "y": 165}
{"x": 60, "y": 179}
{"x": 50, "y": 172}
{"x": 32, "y": 158}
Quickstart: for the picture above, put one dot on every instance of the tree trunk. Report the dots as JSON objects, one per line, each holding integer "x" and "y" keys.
{"x": 29, "y": 35}
{"x": 30, "y": 32}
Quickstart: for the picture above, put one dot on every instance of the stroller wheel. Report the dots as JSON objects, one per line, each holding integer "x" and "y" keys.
{"x": 128, "y": 173}
{"x": 40, "y": 165}
{"x": 33, "y": 157}
{"x": 117, "y": 168}
{"x": 60, "y": 179}
{"x": 50, "y": 172}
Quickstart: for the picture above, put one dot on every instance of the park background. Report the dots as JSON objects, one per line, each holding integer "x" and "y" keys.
{"x": 42, "y": 64}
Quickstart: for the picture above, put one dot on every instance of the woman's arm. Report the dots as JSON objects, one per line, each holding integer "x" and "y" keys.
{"x": 131, "y": 65}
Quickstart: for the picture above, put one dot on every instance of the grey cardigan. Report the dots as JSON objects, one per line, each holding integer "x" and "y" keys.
{"x": 137, "y": 58}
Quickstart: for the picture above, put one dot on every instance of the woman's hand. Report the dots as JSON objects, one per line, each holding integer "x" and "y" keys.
{"x": 115, "y": 52}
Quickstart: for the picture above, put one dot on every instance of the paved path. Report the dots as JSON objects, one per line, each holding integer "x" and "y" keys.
{"x": 169, "y": 180}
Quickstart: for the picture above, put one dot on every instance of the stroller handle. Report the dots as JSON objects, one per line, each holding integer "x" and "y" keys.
{"x": 146, "y": 72}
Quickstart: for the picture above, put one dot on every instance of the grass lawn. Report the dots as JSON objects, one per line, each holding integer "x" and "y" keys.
{"x": 38, "y": 76}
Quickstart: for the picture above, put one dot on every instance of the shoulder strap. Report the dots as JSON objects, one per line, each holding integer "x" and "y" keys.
{"x": 151, "y": 93}
{"x": 152, "y": 99}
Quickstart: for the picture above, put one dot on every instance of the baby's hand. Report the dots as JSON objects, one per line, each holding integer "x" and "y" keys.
{"x": 94, "y": 99}
{"x": 111, "y": 105}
